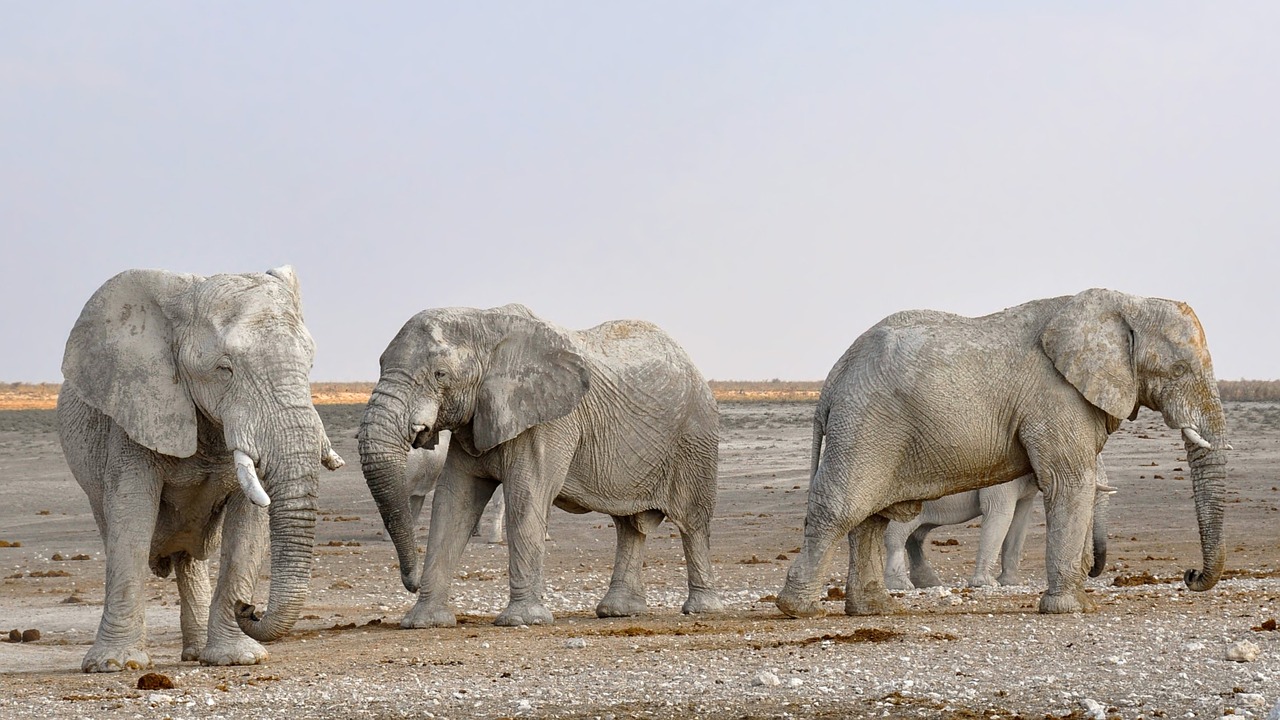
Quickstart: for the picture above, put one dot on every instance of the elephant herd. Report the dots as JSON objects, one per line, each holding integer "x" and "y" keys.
{"x": 186, "y": 417}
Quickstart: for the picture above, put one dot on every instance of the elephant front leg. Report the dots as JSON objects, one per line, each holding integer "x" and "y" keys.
{"x": 897, "y": 574}
{"x": 997, "y": 517}
{"x": 459, "y": 500}
{"x": 1068, "y": 507}
{"x": 131, "y": 504}
{"x": 626, "y": 588}
{"x": 526, "y": 532}
{"x": 244, "y": 544}
{"x": 922, "y": 573}
{"x": 193, "y": 600}
{"x": 865, "y": 593}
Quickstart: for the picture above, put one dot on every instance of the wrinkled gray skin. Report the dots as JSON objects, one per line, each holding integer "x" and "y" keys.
{"x": 166, "y": 376}
{"x": 615, "y": 419}
{"x": 1005, "y": 510}
{"x": 926, "y": 404}
{"x": 422, "y": 470}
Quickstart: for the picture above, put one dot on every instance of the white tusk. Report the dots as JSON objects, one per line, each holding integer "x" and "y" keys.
{"x": 1103, "y": 487}
{"x": 1194, "y": 438}
{"x": 331, "y": 459}
{"x": 249, "y": 482}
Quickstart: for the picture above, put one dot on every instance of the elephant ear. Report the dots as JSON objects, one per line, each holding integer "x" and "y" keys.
{"x": 286, "y": 274}
{"x": 1091, "y": 343}
{"x": 121, "y": 358}
{"x": 533, "y": 375}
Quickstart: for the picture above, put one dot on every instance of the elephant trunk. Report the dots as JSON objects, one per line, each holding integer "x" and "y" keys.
{"x": 1208, "y": 480}
{"x": 384, "y": 455}
{"x": 291, "y": 479}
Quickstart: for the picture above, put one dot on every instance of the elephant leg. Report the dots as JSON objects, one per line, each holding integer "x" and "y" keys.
{"x": 998, "y": 504}
{"x": 703, "y": 597}
{"x": 529, "y": 491}
{"x": 1011, "y": 549}
{"x": 626, "y": 589}
{"x": 865, "y": 593}
{"x": 131, "y": 504}
{"x": 922, "y": 573}
{"x": 459, "y": 501}
{"x": 826, "y": 519}
{"x": 193, "y": 601}
{"x": 497, "y": 524}
{"x": 1068, "y": 501}
{"x": 244, "y": 545}
{"x": 897, "y": 573}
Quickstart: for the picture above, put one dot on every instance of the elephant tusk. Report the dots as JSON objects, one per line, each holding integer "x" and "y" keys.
{"x": 331, "y": 459}
{"x": 249, "y": 482}
{"x": 1194, "y": 437}
{"x": 1103, "y": 487}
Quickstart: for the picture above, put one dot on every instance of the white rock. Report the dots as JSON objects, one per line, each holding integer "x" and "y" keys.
{"x": 575, "y": 643}
{"x": 524, "y": 705}
{"x": 1275, "y": 712}
{"x": 795, "y": 683}
{"x": 1093, "y": 709}
{"x": 1242, "y": 651}
{"x": 160, "y": 699}
{"x": 1251, "y": 700}
{"x": 766, "y": 679}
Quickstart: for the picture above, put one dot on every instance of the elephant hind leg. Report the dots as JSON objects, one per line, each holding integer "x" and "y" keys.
{"x": 922, "y": 573}
{"x": 865, "y": 593}
{"x": 626, "y": 588}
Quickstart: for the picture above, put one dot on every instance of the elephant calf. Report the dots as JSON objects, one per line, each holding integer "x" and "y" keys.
{"x": 1005, "y": 510}
{"x": 614, "y": 419}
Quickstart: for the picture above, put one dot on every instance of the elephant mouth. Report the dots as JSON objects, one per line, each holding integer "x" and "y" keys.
{"x": 425, "y": 438}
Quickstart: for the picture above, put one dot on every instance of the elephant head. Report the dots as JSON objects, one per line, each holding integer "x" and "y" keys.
{"x": 1121, "y": 352}
{"x": 186, "y": 365}
{"x": 485, "y": 375}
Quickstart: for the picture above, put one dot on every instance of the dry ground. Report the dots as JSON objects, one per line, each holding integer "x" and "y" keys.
{"x": 1151, "y": 650}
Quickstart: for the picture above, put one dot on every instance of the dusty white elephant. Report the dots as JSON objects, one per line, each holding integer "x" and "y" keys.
{"x": 926, "y": 404}
{"x": 1005, "y": 510}
{"x": 186, "y": 414}
{"x": 614, "y": 419}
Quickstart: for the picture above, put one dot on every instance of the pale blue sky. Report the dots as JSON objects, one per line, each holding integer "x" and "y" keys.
{"x": 765, "y": 180}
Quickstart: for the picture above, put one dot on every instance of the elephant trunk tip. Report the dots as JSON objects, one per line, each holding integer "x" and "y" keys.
{"x": 258, "y": 626}
{"x": 1199, "y": 580}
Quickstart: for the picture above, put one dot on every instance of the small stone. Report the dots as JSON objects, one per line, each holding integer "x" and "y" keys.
{"x": 575, "y": 643}
{"x": 1251, "y": 700}
{"x": 30, "y": 635}
{"x": 1242, "y": 651}
{"x": 524, "y": 705}
{"x": 160, "y": 699}
{"x": 155, "y": 681}
{"x": 795, "y": 683}
{"x": 1093, "y": 709}
{"x": 766, "y": 679}
{"x": 1275, "y": 713}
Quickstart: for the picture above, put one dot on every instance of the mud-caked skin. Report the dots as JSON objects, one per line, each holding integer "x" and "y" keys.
{"x": 615, "y": 419}
{"x": 926, "y": 404}
{"x": 186, "y": 408}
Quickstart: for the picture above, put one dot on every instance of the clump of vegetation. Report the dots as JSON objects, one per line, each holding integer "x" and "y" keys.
{"x": 1249, "y": 390}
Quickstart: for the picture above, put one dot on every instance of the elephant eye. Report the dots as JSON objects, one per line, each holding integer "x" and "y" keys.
{"x": 441, "y": 376}
{"x": 223, "y": 366}
{"x": 1180, "y": 369}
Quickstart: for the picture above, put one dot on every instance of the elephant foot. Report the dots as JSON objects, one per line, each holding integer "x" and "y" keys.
{"x": 790, "y": 603}
{"x": 621, "y": 603}
{"x": 702, "y": 601}
{"x": 982, "y": 580}
{"x": 115, "y": 659}
{"x": 1009, "y": 579}
{"x": 525, "y": 612}
{"x": 191, "y": 652}
{"x": 898, "y": 582}
{"x": 427, "y": 615}
{"x": 925, "y": 577}
{"x": 237, "y": 651}
{"x": 1066, "y": 603}
{"x": 870, "y": 602}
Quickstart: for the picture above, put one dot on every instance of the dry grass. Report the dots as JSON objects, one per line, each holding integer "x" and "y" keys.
{"x": 43, "y": 396}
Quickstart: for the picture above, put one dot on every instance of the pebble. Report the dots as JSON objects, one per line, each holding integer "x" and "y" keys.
{"x": 795, "y": 683}
{"x": 524, "y": 705}
{"x": 1251, "y": 700}
{"x": 1275, "y": 712}
{"x": 1242, "y": 651}
{"x": 575, "y": 643}
{"x": 1093, "y": 709}
{"x": 766, "y": 679}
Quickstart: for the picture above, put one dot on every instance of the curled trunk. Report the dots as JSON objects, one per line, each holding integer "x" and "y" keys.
{"x": 291, "y": 482}
{"x": 1208, "y": 480}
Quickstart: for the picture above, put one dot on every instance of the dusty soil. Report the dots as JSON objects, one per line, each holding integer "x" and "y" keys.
{"x": 1153, "y": 649}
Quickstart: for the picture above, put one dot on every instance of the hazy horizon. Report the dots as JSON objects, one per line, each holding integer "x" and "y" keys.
{"x": 764, "y": 181}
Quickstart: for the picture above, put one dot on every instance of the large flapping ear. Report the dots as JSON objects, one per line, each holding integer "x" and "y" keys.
{"x": 290, "y": 278}
{"x": 121, "y": 358}
{"x": 532, "y": 375}
{"x": 1091, "y": 344}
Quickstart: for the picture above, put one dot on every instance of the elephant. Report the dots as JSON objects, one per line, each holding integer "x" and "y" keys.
{"x": 615, "y": 419}
{"x": 926, "y": 404}
{"x": 186, "y": 418}
{"x": 1005, "y": 510}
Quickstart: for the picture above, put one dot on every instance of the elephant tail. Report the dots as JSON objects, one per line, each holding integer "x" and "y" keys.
{"x": 819, "y": 433}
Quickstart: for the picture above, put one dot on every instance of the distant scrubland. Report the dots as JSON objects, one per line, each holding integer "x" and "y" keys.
{"x": 35, "y": 396}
